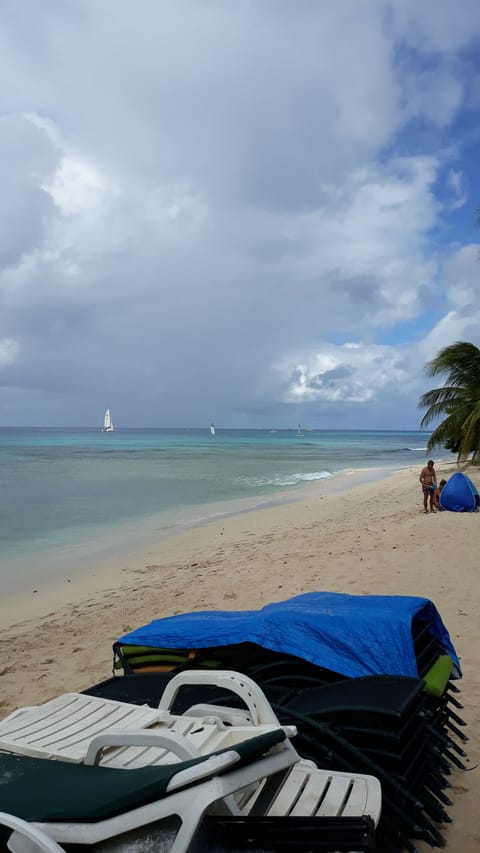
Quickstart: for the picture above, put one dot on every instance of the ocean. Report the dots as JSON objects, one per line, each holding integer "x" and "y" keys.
{"x": 69, "y": 492}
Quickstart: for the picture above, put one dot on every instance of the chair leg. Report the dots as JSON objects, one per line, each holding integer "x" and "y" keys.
{"x": 191, "y": 822}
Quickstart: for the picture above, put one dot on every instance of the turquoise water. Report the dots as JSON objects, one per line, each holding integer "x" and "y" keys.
{"x": 60, "y": 487}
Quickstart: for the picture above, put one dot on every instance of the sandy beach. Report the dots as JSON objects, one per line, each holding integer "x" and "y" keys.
{"x": 372, "y": 538}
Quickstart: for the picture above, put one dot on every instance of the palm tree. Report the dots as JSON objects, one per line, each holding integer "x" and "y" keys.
{"x": 459, "y": 400}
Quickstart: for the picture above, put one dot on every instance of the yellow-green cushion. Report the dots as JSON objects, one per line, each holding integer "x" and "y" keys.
{"x": 436, "y": 679}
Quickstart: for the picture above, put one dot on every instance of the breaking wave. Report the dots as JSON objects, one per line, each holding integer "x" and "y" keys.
{"x": 284, "y": 479}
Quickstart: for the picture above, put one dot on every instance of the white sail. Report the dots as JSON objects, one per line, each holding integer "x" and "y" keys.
{"x": 299, "y": 431}
{"x": 212, "y": 430}
{"x": 107, "y": 422}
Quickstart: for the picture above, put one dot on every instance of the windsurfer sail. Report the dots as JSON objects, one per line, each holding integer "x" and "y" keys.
{"x": 212, "y": 430}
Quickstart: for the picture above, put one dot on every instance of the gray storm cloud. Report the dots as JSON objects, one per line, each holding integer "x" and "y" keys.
{"x": 195, "y": 194}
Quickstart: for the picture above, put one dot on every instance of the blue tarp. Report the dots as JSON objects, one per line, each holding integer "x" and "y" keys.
{"x": 351, "y": 634}
{"x": 459, "y": 494}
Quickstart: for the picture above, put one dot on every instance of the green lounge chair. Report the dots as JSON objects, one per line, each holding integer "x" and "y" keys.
{"x": 84, "y": 804}
{"x": 87, "y": 804}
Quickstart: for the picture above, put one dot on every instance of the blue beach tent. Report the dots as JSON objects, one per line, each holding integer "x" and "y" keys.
{"x": 460, "y": 494}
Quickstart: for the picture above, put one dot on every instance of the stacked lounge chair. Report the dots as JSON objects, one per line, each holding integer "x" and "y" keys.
{"x": 400, "y": 722}
{"x": 177, "y": 764}
{"x": 391, "y": 717}
{"x": 382, "y": 723}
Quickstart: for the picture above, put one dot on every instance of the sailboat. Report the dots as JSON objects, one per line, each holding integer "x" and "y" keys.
{"x": 299, "y": 432}
{"x": 212, "y": 430}
{"x": 107, "y": 422}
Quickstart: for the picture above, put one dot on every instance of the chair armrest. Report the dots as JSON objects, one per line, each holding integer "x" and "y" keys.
{"x": 27, "y": 838}
{"x": 258, "y": 706}
{"x": 181, "y": 748}
{"x": 211, "y": 766}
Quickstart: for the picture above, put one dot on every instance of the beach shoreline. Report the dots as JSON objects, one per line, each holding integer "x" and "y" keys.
{"x": 369, "y": 538}
{"x": 132, "y": 537}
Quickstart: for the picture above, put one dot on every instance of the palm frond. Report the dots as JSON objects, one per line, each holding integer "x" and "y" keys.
{"x": 471, "y": 432}
{"x": 459, "y": 361}
{"x": 443, "y": 433}
{"x": 458, "y": 399}
{"x": 447, "y": 397}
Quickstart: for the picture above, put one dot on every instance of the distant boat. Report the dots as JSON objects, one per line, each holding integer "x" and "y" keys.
{"x": 107, "y": 422}
{"x": 299, "y": 432}
{"x": 212, "y": 430}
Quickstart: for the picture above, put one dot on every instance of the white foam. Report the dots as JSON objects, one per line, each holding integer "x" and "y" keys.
{"x": 285, "y": 479}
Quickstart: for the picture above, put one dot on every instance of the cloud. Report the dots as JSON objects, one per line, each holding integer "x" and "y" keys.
{"x": 462, "y": 276}
{"x": 26, "y": 160}
{"x": 432, "y": 30}
{"x": 351, "y": 373}
{"x": 77, "y": 189}
{"x": 8, "y": 351}
{"x": 456, "y": 185}
{"x": 200, "y": 215}
{"x": 360, "y": 373}
{"x": 433, "y": 94}
{"x": 462, "y": 319}
{"x": 369, "y": 239}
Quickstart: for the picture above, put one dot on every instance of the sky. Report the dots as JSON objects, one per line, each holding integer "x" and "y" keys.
{"x": 259, "y": 213}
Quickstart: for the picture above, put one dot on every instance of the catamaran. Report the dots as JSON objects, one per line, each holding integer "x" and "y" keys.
{"x": 107, "y": 422}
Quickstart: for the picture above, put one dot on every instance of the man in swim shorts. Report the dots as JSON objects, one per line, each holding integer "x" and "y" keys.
{"x": 428, "y": 479}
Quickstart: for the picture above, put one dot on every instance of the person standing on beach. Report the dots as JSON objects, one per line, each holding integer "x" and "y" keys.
{"x": 428, "y": 479}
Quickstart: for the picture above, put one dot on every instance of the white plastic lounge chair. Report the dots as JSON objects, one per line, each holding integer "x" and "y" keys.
{"x": 51, "y": 730}
{"x": 85, "y": 804}
{"x": 67, "y": 727}
{"x": 74, "y": 803}
{"x": 60, "y": 728}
